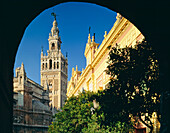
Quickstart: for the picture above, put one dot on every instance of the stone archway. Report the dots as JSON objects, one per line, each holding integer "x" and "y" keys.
{"x": 149, "y": 16}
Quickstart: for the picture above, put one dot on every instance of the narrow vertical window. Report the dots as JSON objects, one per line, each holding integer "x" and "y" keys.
{"x": 43, "y": 66}
{"x": 53, "y": 46}
{"x": 54, "y": 65}
{"x": 46, "y": 65}
{"x": 57, "y": 65}
{"x": 50, "y": 64}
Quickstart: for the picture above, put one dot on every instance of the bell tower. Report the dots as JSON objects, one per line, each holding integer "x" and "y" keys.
{"x": 54, "y": 68}
{"x": 54, "y": 38}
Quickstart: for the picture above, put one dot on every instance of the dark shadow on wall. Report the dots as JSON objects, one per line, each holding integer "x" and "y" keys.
{"x": 150, "y": 17}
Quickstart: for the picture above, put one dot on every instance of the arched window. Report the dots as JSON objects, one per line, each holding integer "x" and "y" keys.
{"x": 54, "y": 65}
{"x": 57, "y": 65}
{"x": 50, "y": 64}
{"x": 52, "y": 46}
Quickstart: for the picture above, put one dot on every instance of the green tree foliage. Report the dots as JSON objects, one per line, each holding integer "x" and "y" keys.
{"x": 133, "y": 90}
{"x": 74, "y": 115}
{"x": 79, "y": 116}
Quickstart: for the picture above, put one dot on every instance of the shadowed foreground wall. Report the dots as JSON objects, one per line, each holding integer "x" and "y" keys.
{"x": 150, "y": 17}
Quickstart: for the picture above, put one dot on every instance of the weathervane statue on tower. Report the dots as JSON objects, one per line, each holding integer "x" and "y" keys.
{"x": 53, "y": 14}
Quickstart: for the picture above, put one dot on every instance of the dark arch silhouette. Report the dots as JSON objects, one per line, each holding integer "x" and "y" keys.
{"x": 150, "y": 17}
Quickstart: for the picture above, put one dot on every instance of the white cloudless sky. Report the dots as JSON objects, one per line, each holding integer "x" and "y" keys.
{"x": 74, "y": 19}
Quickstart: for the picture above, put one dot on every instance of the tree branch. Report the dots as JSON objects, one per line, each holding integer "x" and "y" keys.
{"x": 150, "y": 126}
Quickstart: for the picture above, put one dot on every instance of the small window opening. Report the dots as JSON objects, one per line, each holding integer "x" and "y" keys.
{"x": 50, "y": 85}
{"x": 54, "y": 65}
{"x": 50, "y": 64}
{"x": 57, "y": 65}
{"x": 43, "y": 66}
{"x": 46, "y": 65}
{"x": 53, "y": 46}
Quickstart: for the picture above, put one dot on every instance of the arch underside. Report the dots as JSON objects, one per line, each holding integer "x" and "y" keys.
{"x": 150, "y": 17}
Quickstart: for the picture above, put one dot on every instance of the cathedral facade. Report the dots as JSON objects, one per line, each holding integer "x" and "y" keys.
{"x": 35, "y": 104}
{"x": 31, "y": 111}
{"x": 54, "y": 68}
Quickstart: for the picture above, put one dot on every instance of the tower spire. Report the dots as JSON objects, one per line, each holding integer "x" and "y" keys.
{"x": 46, "y": 87}
{"x": 89, "y": 29}
{"x": 93, "y": 38}
{"x": 76, "y": 68}
{"x": 66, "y": 54}
{"x": 89, "y": 37}
{"x": 41, "y": 48}
{"x": 54, "y": 29}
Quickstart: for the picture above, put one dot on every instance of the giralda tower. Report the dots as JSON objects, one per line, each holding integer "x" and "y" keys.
{"x": 54, "y": 68}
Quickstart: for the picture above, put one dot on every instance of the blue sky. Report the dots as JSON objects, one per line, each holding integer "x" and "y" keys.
{"x": 73, "y": 21}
